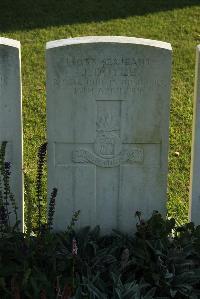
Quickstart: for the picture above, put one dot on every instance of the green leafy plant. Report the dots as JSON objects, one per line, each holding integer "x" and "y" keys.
{"x": 159, "y": 260}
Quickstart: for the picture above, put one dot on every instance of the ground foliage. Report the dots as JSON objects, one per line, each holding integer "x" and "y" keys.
{"x": 158, "y": 261}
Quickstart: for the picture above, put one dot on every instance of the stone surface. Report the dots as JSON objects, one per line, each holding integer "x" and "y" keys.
{"x": 195, "y": 163}
{"x": 11, "y": 115}
{"x": 108, "y": 123}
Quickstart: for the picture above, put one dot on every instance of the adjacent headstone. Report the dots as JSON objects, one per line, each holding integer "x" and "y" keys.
{"x": 108, "y": 124}
{"x": 194, "y": 213}
{"x": 11, "y": 116}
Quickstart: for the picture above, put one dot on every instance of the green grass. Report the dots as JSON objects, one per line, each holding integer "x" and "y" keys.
{"x": 175, "y": 21}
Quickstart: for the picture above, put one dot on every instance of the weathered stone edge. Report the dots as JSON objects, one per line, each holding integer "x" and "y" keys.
{"x": 10, "y": 42}
{"x": 108, "y": 39}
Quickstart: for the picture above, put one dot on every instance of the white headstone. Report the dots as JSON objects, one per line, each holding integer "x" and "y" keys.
{"x": 194, "y": 213}
{"x": 108, "y": 123}
{"x": 11, "y": 116}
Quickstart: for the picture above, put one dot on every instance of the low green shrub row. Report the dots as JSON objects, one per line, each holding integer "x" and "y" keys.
{"x": 159, "y": 260}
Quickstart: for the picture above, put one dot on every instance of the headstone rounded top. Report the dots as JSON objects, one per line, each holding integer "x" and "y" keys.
{"x": 108, "y": 39}
{"x": 9, "y": 42}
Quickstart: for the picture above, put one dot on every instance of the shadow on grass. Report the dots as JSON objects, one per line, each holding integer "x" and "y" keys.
{"x": 30, "y": 14}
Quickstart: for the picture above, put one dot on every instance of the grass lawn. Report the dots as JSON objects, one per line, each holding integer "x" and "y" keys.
{"x": 34, "y": 22}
